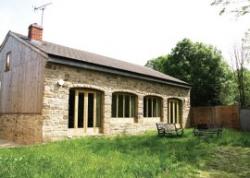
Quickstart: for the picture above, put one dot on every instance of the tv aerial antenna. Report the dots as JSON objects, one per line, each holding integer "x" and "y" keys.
{"x": 42, "y": 8}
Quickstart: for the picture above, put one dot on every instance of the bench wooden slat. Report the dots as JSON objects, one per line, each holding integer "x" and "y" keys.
{"x": 208, "y": 131}
{"x": 168, "y": 129}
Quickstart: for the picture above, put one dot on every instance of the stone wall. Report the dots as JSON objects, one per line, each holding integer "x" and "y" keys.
{"x": 21, "y": 128}
{"x": 55, "y": 101}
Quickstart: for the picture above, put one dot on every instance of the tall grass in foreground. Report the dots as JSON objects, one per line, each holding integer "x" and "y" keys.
{"x": 144, "y": 155}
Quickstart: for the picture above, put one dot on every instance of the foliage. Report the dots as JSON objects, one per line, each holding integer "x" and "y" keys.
{"x": 241, "y": 58}
{"x": 247, "y": 87}
{"x": 157, "y": 64}
{"x": 239, "y": 8}
{"x": 229, "y": 92}
{"x": 202, "y": 66}
{"x": 145, "y": 155}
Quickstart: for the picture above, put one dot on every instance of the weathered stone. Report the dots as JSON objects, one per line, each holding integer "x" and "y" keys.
{"x": 21, "y": 128}
{"x": 107, "y": 84}
{"x": 52, "y": 123}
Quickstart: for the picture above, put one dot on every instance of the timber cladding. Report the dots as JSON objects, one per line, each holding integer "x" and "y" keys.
{"x": 21, "y": 86}
{"x": 228, "y": 116}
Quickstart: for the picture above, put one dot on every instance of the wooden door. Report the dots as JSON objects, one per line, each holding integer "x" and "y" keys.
{"x": 87, "y": 111}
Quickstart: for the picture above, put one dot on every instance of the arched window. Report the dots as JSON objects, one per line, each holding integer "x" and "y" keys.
{"x": 174, "y": 110}
{"x": 152, "y": 106}
{"x": 85, "y": 109}
{"x": 123, "y": 104}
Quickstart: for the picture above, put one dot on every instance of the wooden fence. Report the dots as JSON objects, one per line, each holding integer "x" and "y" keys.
{"x": 228, "y": 116}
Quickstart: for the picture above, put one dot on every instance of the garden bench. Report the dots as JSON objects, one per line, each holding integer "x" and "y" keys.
{"x": 160, "y": 128}
{"x": 203, "y": 130}
{"x": 165, "y": 129}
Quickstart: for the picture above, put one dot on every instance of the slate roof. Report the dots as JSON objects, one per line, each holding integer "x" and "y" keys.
{"x": 96, "y": 59}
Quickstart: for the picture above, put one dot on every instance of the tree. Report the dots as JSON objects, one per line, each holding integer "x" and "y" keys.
{"x": 203, "y": 67}
{"x": 157, "y": 64}
{"x": 228, "y": 94}
{"x": 240, "y": 59}
{"x": 247, "y": 87}
{"x": 239, "y": 8}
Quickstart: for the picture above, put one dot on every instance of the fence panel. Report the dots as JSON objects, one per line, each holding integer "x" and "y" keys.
{"x": 228, "y": 116}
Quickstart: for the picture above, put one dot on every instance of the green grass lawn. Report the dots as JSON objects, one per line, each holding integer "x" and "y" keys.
{"x": 144, "y": 155}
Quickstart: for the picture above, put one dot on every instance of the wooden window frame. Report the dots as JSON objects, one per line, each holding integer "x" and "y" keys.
{"x": 130, "y": 97}
{"x": 149, "y": 103}
{"x": 85, "y": 110}
{"x": 7, "y": 61}
{"x": 174, "y": 111}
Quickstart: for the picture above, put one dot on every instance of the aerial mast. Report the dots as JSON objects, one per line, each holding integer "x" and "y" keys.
{"x": 42, "y": 8}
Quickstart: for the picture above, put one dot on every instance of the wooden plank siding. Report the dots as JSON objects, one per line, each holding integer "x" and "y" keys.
{"x": 22, "y": 87}
{"x": 227, "y": 116}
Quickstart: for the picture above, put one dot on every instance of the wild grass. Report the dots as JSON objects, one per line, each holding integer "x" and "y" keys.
{"x": 144, "y": 155}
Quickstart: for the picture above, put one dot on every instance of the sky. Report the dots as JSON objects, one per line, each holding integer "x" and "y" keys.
{"x": 131, "y": 30}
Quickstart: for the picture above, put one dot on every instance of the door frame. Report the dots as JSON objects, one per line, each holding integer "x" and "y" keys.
{"x": 86, "y": 92}
{"x": 175, "y": 109}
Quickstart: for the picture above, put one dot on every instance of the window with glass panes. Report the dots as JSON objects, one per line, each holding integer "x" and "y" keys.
{"x": 152, "y": 106}
{"x": 123, "y": 105}
{"x": 174, "y": 111}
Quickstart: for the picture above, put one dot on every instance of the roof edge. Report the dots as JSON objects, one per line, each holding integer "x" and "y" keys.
{"x": 5, "y": 40}
{"x": 90, "y": 66}
{"x": 74, "y": 62}
{"x": 33, "y": 47}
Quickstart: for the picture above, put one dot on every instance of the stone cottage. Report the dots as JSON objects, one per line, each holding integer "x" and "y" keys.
{"x": 50, "y": 92}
